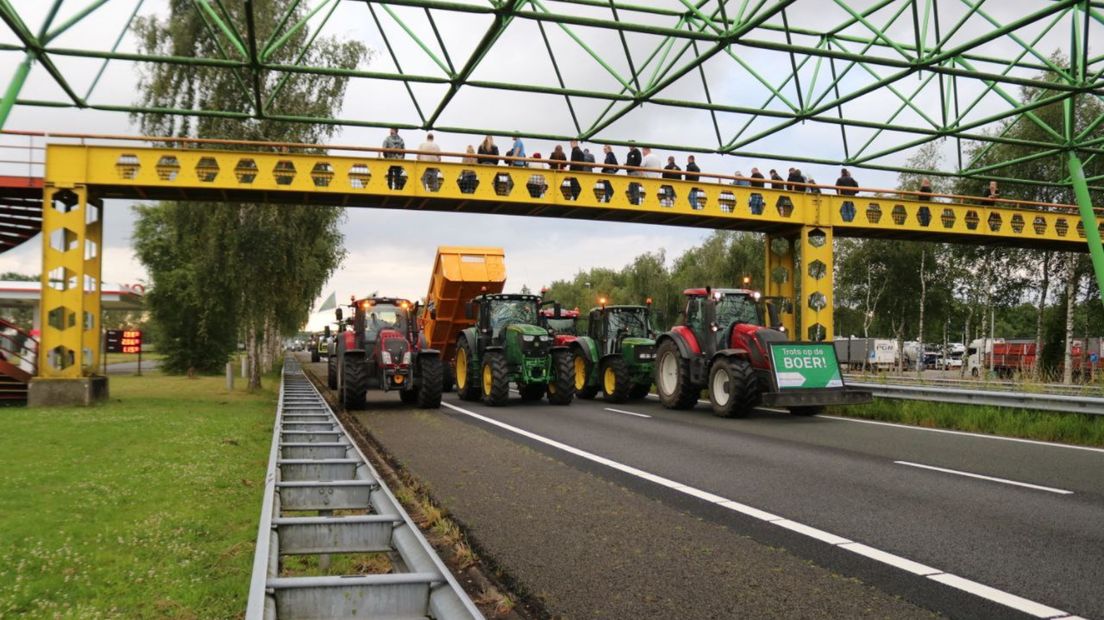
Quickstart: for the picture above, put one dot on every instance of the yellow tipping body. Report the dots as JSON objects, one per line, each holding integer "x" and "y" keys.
{"x": 459, "y": 275}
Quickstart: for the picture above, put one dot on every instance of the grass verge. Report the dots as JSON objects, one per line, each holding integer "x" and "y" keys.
{"x": 1071, "y": 428}
{"x": 143, "y": 507}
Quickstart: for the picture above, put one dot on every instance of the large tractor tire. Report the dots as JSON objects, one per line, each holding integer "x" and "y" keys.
{"x": 467, "y": 373}
{"x": 640, "y": 390}
{"x": 495, "y": 379}
{"x": 430, "y": 375}
{"x": 672, "y": 378}
{"x": 616, "y": 382}
{"x": 581, "y": 372}
{"x": 531, "y": 392}
{"x": 732, "y": 390}
{"x": 561, "y": 389}
{"x": 315, "y": 358}
{"x": 331, "y": 372}
{"x": 807, "y": 410}
{"x": 354, "y": 382}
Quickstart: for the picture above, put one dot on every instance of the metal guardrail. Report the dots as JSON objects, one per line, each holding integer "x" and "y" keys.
{"x": 1072, "y": 389}
{"x": 316, "y": 469}
{"x": 1020, "y": 400}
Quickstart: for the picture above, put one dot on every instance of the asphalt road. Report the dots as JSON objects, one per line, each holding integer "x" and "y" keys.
{"x": 867, "y": 483}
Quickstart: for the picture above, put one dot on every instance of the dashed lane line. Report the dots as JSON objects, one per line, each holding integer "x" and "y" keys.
{"x": 1001, "y": 597}
{"x": 989, "y": 478}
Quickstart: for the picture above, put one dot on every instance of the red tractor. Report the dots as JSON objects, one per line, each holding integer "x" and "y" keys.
{"x": 725, "y": 345}
{"x": 383, "y": 352}
{"x": 563, "y": 323}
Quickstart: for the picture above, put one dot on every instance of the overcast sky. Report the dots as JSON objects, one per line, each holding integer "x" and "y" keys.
{"x": 392, "y": 251}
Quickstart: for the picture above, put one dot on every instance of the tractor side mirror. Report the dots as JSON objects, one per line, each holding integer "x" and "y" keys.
{"x": 338, "y": 314}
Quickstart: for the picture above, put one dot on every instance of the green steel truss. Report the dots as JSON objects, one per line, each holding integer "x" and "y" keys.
{"x": 867, "y": 81}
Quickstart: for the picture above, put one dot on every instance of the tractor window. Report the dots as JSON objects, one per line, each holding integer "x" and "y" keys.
{"x": 737, "y": 308}
{"x": 631, "y": 323}
{"x": 562, "y": 326}
{"x": 384, "y": 316}
{"x": 510, "y": 311}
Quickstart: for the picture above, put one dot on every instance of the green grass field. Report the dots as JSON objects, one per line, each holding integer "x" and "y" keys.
{"x": 1072, "y": 428}
{"x": 143, "y": 507}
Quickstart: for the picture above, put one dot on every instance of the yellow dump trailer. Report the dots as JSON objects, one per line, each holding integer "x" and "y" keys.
{"x": 459, "y": 275}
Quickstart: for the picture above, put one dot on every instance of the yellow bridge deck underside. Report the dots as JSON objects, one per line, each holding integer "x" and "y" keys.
{"x": 243, "y": 176}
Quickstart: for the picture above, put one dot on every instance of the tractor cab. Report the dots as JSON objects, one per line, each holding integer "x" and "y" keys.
{"x": 613, "y": 325}
{"x": 564, "y": 324}
{"x": 494, "y": 313}
{"x": 713, "y": 315}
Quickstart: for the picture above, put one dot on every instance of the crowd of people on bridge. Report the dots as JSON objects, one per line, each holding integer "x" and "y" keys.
{"x": 639, "y": 162}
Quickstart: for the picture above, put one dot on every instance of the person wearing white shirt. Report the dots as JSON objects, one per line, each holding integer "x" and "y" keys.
{"x": 651, "y": 160}
{"x": 431, "y": 147}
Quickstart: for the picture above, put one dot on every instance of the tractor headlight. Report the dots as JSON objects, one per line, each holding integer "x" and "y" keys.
{"x": 528, "y": 337}
{"x": 546, "y": 338}
{"x": 386, "y": 357}
{"x": 406, "y": 358}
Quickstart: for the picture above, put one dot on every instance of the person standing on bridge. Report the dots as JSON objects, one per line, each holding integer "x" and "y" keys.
{"x": 991, "y": 194}
{"x": 428, "y": 148}
{"x": 813, "y": 189}
{"x": 468, "y": 178}
{"x": 578, "y": 164}
{"x": 756, "y": 178}
{"x": 394, "y": 173}
{"x": 777, "y": 182}
{"x": 671, "y": 170}
{"x": 651, "y": 161}
{"x": 589, "y": 158}
{"x": 488, "y": 152}
{"x": 925, "y": 190}
{"x": 556, "y": 157}
{"x": 518, "y": 150}
{"x": 693, "y": 172}
{"x": 634, "y": 159}
{"x": 741, "y": 180}
{"x": 609, "y": 167}
{"x": 846, "y": 180}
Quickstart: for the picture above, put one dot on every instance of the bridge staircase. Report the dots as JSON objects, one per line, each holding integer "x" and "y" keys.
{"x": 18, "y": 353}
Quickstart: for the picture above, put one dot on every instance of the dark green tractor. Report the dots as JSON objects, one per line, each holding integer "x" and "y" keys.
{"x": 617, "y": 355}
{"x": 506, "y": 345}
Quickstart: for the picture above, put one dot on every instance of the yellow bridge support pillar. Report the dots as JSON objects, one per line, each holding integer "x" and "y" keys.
{"x": 69, "y": 349}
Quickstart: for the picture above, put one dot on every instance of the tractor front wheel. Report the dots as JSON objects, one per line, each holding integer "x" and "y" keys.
{"x": 581, "y": 372}
{"x": 354, "y": 382}
{"x": 467, "y": 373}
{"x": 732, "y": 387}
{"x": 561, "y": 390}
{"x": 495, "y": 379}
{"x": 672, "y": 378}
{"x": 427, "y": 391}
{"x": 615, "y": 380}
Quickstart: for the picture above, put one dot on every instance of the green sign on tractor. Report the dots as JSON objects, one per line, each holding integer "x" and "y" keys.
{"x": 805, "y": 365}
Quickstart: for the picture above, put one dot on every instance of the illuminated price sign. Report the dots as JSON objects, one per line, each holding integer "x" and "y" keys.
{"x": 124, "y": 341}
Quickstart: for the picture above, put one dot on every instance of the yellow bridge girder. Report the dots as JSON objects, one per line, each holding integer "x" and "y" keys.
{"x": 803, "y": 223}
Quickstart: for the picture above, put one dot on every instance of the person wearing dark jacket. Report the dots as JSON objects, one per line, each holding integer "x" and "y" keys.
{"x": 925, "y": 190}
{"x": 488, "y": 152}
{"x": 671, "y": 170}
{"x": 692, "y": 169}
{"x": 777, "y": 181}
{"x": 578, "y": 164}
{"x": 796, "y": 180}
{"x": 633, "y": 159}
{"x": 610, "y": 167}
{"x": 756, "y": 178}
{"x": 846, "y": 180}
{"x": 556, "y": 157}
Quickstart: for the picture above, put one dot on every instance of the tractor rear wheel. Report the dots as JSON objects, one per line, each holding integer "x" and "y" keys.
{"x": 531, "y": 392}
{"x": 807, "y": 410}
{"x": 581, "y": 372}
{"x": 561, "y": 389}
{"x": 467, "y": 373}
{"x": 732, "y": 387}
{"x": 331, "y": 372}
{"x": 615, "y": 380}
{"x": 672, "y": 372}
{"x": 430, "y": 373}
{"x": 640, "y": 390}
{"x": 354, "y": 382}
{"x": 495, "y": 379}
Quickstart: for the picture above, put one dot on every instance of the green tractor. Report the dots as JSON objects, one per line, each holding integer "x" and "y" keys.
{"x": 617, "y": 355}
{"x": 506, "y": 345}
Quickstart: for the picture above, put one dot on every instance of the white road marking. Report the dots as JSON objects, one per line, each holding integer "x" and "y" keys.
{"x": 639, "y": 415}
{"x": 989, "y": 478}
{"x": 959, "y": 583}
{"x": 1048, "y": 444}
